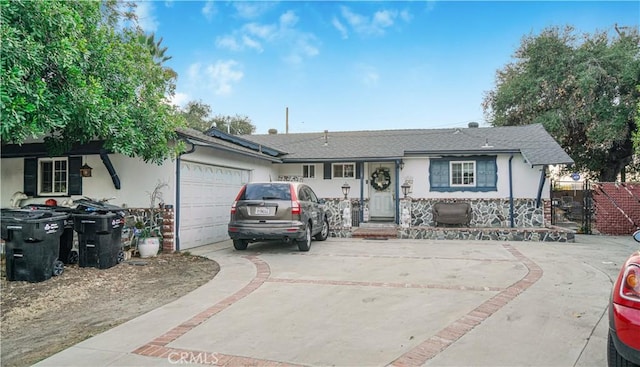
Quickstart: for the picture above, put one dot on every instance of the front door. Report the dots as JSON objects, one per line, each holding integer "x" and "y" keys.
{"x": 381, "y": 188}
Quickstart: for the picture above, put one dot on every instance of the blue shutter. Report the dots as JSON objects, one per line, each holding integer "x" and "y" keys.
{"x": 486, "y": 173}
{"x": 439, "y": 173}
{"x": 327, "y": 171}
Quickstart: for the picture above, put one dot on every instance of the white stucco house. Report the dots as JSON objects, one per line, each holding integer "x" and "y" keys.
{"x": 501, "y": 171}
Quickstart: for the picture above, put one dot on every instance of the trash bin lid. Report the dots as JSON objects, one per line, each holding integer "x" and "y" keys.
{"x": 30, "y": 215}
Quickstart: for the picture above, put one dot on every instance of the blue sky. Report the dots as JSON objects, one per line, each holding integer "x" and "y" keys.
{"x": 355, "y": 65}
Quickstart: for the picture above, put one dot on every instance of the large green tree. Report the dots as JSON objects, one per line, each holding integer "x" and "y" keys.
{"x": 77, "y": 71}
{"x": 582, "y": 88}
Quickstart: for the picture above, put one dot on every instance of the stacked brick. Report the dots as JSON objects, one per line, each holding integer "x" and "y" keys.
{"x": 168, "y": 229}
{"x": 617, "y": 207}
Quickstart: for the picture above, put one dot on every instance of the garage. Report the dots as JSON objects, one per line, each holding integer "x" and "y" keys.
{"x": 206, "y": 194}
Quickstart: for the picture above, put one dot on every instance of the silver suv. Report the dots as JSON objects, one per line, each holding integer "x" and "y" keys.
{"x": 286, "y": 211}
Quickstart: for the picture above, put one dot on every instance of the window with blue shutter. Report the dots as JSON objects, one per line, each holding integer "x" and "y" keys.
{"x": 484, "y": 178}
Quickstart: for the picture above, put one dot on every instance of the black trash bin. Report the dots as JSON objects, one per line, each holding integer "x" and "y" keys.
{"x": 32, "y": 243}
{"x": 99, "y": 228}
{"x": 67, "y": 254}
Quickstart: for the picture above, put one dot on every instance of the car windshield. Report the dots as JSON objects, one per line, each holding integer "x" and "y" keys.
{"x": 267, "y": 191}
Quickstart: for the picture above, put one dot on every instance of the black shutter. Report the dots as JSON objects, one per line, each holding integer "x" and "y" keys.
{"x": 359, "y": 169}
{"x": 30, "y": 187}
{"x": 75, "y": 179}
{"x": 327, "y": 171}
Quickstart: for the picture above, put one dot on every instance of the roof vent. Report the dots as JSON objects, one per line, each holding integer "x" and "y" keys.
{"x": 473, "y": 124}
{"x": 272, "y": 131}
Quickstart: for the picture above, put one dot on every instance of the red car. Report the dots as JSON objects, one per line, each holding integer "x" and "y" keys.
{"x": 624, "y": 315}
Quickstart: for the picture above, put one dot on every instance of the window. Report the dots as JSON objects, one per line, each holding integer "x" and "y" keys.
{"x": 53, "y": 174}
{"x": 346, "y": 170}
{"x": 462, "y": 173}
{"x": 478, "y": 173}
{"x": 308, "y": 171}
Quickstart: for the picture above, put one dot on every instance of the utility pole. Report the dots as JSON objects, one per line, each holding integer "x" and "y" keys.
{"x": 286, "y": 127}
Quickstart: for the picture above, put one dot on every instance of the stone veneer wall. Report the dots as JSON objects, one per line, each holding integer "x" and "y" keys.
{"x": 487, "y": 213}
{"x": 490, "y": 222}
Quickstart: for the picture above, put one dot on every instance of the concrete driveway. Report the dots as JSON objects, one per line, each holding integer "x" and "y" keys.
{"x": 354, "y": 302}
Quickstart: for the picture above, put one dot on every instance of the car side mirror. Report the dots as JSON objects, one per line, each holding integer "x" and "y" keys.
{"x": 321, "y": 201}
{"x": 636, "y": 235}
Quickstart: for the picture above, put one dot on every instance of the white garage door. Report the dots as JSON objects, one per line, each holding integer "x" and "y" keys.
{"x": 206, "y": 194}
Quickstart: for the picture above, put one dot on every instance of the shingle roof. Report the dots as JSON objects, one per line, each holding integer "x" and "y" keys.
{"x": 533, "y": 141}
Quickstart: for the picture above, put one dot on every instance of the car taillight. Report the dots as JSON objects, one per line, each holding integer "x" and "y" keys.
{"x": 295, "y": 204}
{"x": 233, "y": 207}
{"x": 630, "y": 284}
{"x": 295, "y": 207}
{"x": 238, "y": 197}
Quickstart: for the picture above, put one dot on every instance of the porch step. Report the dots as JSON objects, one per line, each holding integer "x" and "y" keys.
{"x": 375, "y": 232}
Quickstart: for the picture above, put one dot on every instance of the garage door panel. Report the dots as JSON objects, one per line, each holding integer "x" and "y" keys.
{"x": 206, "y": 194}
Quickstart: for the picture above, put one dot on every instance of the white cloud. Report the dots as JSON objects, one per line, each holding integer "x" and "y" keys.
{"x": 251, "y": 43}
{"x": 180, "y": 99}
{"x": 251, "y": 9}
{"x": 222, "y": 75}
{"x": 146, "y": 19}
{"x": 255, "y": 36}
{"x": 228, "y": 42}
{"x": 375, "y": 25}
{"x": 288, "y": 19}
{"x": 368, "y": 75}
{"x": 209, "y": 10}
{"x": 340, "y": 27}
{"x": 218, "y": 77}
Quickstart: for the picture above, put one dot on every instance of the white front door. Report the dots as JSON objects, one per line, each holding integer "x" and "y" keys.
{"x": 382, "y": 188}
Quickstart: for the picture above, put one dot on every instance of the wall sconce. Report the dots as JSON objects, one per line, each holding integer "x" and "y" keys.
{"x": 405, "y": 189}
{"x": 401, "y": 165}
{"x": 345, "y": 190}
{"x": 85, "y": 170}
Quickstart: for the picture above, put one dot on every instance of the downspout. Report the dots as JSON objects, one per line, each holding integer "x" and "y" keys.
{"x": 511, "y": 192}
{"x": 177, "y": 208}
{"x": 543, "y": 178}
{"x": 397, "y": 190}
{"x": 107, "y": 163}
{"x": 361, "y": 210}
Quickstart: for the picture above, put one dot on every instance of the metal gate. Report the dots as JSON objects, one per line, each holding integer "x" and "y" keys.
{"x": 572, "y": 205}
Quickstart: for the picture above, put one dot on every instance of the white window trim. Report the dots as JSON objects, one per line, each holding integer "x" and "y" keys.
{"x": 41, "y": 175}
{"x": 451, "y": 184}
{"x": 353, "y": 169}
{"x": 308, "y": 166}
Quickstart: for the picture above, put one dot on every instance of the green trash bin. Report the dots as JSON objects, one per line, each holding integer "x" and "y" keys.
{"x": 32, "y": 243}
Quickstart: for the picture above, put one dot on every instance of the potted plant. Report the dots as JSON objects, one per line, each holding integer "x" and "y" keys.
{"x": 150, "y": 235}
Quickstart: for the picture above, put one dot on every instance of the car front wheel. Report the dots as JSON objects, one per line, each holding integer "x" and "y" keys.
{"x": 324, "y": 232}
{"x": 240, "y": 244}
{"x": 305, "y": 243}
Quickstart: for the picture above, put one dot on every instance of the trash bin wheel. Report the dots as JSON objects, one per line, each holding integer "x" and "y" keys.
{"x": 73, "y": 257}
{"x": 120, "y": 256}
{"x": 58, "y": 268}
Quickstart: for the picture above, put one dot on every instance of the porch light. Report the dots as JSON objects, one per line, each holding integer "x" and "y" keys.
{"x": 405, "y": 189}
{"x": 345, "y": 190}
{"x": 85, "y": 170}
{"x": 401, "y": 165}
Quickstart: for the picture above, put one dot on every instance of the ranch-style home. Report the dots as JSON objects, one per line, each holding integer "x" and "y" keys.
{"x": 501, "y": 173}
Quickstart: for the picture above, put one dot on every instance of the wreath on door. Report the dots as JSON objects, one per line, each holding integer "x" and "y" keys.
{"x": 380, "y": 179}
